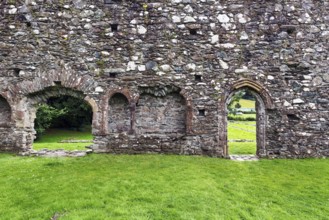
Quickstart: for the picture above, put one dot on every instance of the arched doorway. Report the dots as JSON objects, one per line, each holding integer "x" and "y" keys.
{"x": 62, "y": 119}
{"x": 242, "y": 122}
{"x": 262, "y": 103}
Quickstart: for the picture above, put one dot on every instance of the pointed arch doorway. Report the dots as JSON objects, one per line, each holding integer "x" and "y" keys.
{"x": 262, "y": 103}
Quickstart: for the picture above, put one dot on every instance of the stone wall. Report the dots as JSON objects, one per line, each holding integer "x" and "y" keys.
{"x": 203, "y": 50}
{"x": 160, "y": 115}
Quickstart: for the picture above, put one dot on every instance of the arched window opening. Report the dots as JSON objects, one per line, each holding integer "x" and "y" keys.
{"x": 119, "y": 114}
{"x": 63, "y": 122}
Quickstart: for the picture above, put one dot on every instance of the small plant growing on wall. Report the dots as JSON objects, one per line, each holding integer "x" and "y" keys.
{"x": 101, "y": 65}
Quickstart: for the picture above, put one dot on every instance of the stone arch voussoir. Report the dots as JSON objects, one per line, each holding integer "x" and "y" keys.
{"x": 255, "y": 86}
{"x": 67, "y": 79}
{"x": 64, "y": 77}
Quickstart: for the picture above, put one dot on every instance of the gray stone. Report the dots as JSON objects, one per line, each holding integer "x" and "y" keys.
{"x": 79, "y": 4}
{"x": 317, "y": 81}
{"x": 151, "y": 65}
{"x": 326, "y": 77}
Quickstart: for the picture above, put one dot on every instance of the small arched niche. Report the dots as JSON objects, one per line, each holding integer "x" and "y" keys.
{"x": 119, "y": 114}
{"x": 5, "y": 112}
{"x": 262, "y": 102}
{"x": 158, "y": 112}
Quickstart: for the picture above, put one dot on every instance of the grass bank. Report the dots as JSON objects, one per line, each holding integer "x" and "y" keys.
{"x": 162, "y": 187}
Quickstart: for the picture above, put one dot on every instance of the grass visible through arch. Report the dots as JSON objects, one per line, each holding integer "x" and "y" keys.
{"x": 242, "y": 130}
{"x": 52, "y": 137}
{"x": 245, "y": 103}
{"x": 162, "y": 187}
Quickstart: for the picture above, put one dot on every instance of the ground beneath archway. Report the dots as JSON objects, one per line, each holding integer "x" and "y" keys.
{"x": 56, "y": 153}
{"x": 244, "y": 157}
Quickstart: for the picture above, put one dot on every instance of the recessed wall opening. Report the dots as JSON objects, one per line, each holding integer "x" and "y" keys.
{"x": 16, "y": 71}
{"x": 202, "y": 112}
{"x": 290, "y": 29}
{"x": 161, "y": 113}
{"x": 5, "y": 113}
{"x": 58, "y": 83}
{"x": 198, "y": 78}
{"x": 293, "y": 117}
{"x": 63, "y": 122}
{"x": 114, "y": 27}
{"x": 113, "y": 75}
{"x": 193, "y": 31}
{"x": 119, "y": 114}
{"x": 245, "y": 122}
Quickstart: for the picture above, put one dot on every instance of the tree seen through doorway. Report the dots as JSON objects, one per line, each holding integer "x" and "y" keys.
{"x": 65, "y": 116}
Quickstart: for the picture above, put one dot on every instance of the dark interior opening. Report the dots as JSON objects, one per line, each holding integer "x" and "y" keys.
{"x": 198, "y": 78}
{"x": 16, "y": 71}
{"x": 114, "y": 27}
{"x": 58, "y": 83}
{"x": 113, "y": 75}
{"x": 193, "y": 31}
{"x": 202, "y": 112}
{"x": 293, "y": 117}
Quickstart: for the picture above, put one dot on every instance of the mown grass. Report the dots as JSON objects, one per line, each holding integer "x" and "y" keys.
{"x": 236, "y": 130}
{"x": 162, "y": 187}
{"x": 242, "y": 148}
{"x": 245, "y": 103}
{"x": 245, "y": 130}
{"x": 52, "y": 137}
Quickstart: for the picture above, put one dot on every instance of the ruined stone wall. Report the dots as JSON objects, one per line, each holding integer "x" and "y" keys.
{"x": 202, "y": 49}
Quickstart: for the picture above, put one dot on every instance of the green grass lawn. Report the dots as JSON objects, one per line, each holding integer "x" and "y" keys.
{"x": 242, "y": 148}
{"x": 51, "y": 138}
{"x": 162, "y": 187}
{"x": 245, "y": 103}
{"x": 238, "y": 130}
{"x": 242, "y": 130}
